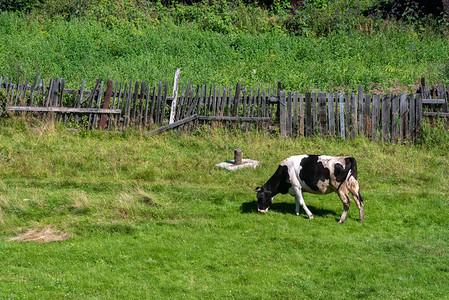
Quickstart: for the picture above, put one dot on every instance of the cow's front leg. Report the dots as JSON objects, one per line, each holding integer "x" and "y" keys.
{"x": 299, "y": 200}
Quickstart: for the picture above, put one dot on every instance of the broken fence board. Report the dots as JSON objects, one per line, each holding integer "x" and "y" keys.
{"x": 174, "y": 124}
{"x": 64, "y": 110}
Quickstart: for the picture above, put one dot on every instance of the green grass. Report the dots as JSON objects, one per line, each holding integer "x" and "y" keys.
{"x": 152, "y": 217}
{"x": 79, "y": 49}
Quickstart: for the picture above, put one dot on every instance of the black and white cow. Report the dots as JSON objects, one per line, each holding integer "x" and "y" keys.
{"x": 317, "y": 174}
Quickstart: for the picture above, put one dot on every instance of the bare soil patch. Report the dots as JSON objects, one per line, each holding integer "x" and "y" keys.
{"x": 45, "y": 235}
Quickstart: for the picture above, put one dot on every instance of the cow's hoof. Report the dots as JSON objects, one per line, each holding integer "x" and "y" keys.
{"x": 310, "y": 217}
{"x": 340, "y": 222}
{"x": 297, "y": 214}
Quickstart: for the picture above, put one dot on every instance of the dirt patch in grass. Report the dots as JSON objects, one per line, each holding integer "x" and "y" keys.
{"x": 45, "y": 235}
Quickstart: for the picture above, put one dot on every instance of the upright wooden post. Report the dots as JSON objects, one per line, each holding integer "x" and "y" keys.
{"x": 282, "y": 114}
{"x": 175, "y": 96}
{"x": 107, "y": 100}
{"x": 403, "y": 133}
{"x": 331, "y": 113}
{"x": 237, "y": 157}
{"x": 322, "y": 113}
{"x": 354, "y": 121}
{"x": 376, "y": 116}
{"x": 308, "y": 114}
{"x": 289, "y": 114}
{"x": 295, "y": 113}
{"x": 412, "y": 117}
{"x": 386, "y": 104}
{"x": 395, "y": 119}
{"x": 237, "y": 99}
{"x": 301, "y": 115}
{"x": 360, "y": 110}
{"x": 315, "y": 113}
{"x": 419, "y": 113}
{"x": 342, "y": 115}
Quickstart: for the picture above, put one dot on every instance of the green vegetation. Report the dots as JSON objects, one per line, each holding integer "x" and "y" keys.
{"x": 324, "y": 46}
{"x": 152, "y": 217}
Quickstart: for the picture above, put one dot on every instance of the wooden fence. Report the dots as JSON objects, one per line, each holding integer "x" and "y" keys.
{"x": 119, "y": 105}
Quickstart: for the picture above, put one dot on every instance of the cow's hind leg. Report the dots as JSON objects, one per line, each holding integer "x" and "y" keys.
{"x": 346, "y": 202}
{"x": 359, "y": 201}
{"x": 354, "y": 189}
{"x": 299, "y": 200}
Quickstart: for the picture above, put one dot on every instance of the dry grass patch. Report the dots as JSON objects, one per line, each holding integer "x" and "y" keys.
{"x": 45, "y": 235}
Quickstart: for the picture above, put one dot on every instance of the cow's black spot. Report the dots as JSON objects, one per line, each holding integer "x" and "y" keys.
{"x": 280, "y": 181}
{"x": 313, "y": 171}
{"x": 342, "y": 173}
{"x": 284, "y": 181}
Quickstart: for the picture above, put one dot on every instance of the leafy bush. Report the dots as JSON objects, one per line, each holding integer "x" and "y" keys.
{"x": 18, "y": 5}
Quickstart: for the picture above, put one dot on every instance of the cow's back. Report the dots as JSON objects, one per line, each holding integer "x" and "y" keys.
{"x": 320, "y": 174}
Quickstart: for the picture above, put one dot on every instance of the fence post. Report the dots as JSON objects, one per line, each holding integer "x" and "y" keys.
{"x": 342, "y": 115}
{"x": 289, "y": 114}
{"x": 403, "y": 132}
{"x": 331, "y": 113}
{"x": 322, "y": 113}
{"x": 282, "y": 114}
{"x": 107, "y": 100}
{"x": 238, "y": 89}
{"x": 386, "y": 104}
{"x": 360, "y": 110}
{"x": 175, "y": 96}
{"x": 419, "y": 113}
{"x": 308, "y": 114}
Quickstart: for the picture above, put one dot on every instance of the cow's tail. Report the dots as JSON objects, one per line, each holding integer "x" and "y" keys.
{"x": 360, "y": 197}
{"x": 352, "y": 171}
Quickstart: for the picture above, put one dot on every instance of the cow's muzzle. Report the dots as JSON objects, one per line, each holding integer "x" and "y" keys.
{"x": 262, "y": 211}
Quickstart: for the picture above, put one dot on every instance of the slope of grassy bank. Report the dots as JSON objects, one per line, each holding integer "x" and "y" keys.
{"x": 153, "y": 217}
{"x": 86, "y": 49}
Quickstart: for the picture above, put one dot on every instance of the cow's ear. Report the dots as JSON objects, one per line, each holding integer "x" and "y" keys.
{"x": 258, "y": 189}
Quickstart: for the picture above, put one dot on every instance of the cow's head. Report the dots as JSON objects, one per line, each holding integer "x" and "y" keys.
{"x": 264, "y": 199}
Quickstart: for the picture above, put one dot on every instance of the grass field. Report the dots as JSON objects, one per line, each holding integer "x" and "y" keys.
{"x": 152, "y": 217}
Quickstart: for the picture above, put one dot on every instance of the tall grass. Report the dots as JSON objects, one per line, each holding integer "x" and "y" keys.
{"x": 153, "y": 217}
{"x": 86, "y": 49}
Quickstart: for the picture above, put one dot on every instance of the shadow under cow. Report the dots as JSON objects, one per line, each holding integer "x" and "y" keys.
{"x": 286, "y": 208}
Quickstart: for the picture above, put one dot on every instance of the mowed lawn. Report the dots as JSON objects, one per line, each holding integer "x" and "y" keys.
{"x": 152, "y": 217}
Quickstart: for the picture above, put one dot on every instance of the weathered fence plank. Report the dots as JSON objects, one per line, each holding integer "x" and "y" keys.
{"x": 386, "y": 124}
{"x": 301, "y": 115}
{"x": 360, "y": 97}
{"x": 341, "y": 110}
{"x": 395, "y": 118}
{"x": 106, "y": 103}
{"x": 175, "y": 96}
{"x": 174, "y": 124}
{"x": 63, "y": 109}
{"x": 412, "y": 117}
{"x": 295, "y": 114}
{"x": 322, "y": 114}
{"x": 308, "y": 114}
{"x": 354, "y": 127}
{"x": 289, "y": 114}
{"x": 348, "y": 115}
{"x": 314, "y": 113}
{"x": 376, "y": 116}
{"x": 331, "y": 113}
{"x": 282, "y": 114}
{"x": 367, "y": 114}
{"x": 404, "y": 117}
